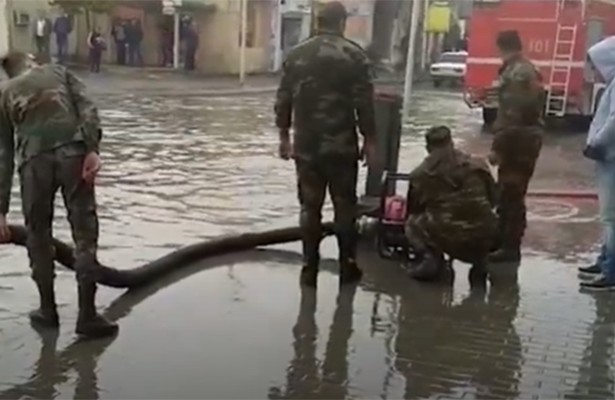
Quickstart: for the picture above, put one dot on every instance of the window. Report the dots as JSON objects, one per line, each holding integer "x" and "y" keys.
{"x": 453, "y": 58}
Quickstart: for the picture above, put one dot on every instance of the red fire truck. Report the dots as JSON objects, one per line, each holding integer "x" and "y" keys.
{"x": 556, "y": 35}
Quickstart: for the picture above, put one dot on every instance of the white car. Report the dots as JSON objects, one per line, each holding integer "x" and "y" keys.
{"x": 450, "y": 67}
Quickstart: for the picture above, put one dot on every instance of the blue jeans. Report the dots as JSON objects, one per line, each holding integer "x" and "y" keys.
{"x": 605, "y": 173}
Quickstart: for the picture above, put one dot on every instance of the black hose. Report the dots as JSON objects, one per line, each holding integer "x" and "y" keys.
{"x": 149, "y": 272}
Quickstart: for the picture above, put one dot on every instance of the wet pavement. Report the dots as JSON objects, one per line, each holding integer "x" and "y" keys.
{"x": 180, "y": 169}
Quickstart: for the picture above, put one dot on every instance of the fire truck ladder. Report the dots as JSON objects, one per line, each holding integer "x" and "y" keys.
{"x": 561, "y": 69}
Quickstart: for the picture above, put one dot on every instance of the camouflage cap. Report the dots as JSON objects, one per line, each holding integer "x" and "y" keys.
{"x": 438, "y": 136}
{"x": 332, "y": 11}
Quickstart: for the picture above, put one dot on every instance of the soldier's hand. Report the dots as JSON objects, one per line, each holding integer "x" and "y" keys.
{"x": 91, "y": 166}
{"x": 368, "y": 154}
{"x": 5, "y": 232}
{"x": 285, "y": 149}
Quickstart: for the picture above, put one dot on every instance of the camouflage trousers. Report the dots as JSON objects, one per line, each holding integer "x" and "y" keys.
{"x": 469, "y": 246}
{"x": 40, "y": 179}
{"x": 513, "y": 182}
{"x": 339, "y": 176}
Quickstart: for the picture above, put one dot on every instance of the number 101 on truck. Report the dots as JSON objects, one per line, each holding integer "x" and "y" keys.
{"x": 556, "y": 35}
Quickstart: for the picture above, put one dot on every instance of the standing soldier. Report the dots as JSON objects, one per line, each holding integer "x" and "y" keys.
{"x": 518, "y": 139}
{"x": 53, "y": 127}
{"x": 326, "y": 85}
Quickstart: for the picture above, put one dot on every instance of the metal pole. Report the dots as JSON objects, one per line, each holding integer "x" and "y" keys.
{"x": 176, "y": 24}
{"x": 277, "y": 57}
{"x": 242, "y": 49}
{"x": 414, "y": 19}
{"x": 424, "y": 35}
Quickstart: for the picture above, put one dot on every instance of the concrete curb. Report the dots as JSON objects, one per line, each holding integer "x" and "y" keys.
{"x": 194, "y": 93}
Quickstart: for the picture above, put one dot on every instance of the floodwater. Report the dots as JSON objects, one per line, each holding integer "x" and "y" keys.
{"x": 183, "y": 169}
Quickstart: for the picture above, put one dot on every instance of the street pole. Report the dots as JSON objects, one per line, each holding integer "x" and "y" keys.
{"x": 242, "y": 49}
{"x": 414, "y": 19}
{"x": 176, "y": 25}
{"x": 424, "y": 35}
{"x": 277, "y": 56}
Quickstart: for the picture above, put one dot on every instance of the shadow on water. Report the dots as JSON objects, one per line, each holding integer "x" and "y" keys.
{"x": 595, "y": 379}
{"x": 54, "y": 368}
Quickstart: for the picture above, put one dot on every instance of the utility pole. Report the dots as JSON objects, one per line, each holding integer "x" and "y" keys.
{"x": 242, "y": 48}
{"x": 176, "y": 26}
{"x": 277, "y": 55}
{"x": 425, "y": 36}
{"x": 414, "y": 20}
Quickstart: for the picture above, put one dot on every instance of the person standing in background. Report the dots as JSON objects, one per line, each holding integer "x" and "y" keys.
{"x": 166, "y": 46}
{"x": 119, "y": 36}
{"x": 42, "y": 34}
{"x": 134, "y": 36}
{"x": 191, "y": 37}
{"x": 62, "y": 27}
{"x": 96, "y": 45}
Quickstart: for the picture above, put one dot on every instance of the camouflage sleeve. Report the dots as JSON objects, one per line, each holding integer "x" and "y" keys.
{"x": 88, "y": 112}
{"x": 363, "y": 98}
{"x": 284, "y": 99}
{"x": 7, "y": 160}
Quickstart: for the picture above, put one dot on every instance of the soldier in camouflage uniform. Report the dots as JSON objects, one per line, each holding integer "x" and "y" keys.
{"x": 326, "y": 87}
{"x": 52, "y": 128}
{"x": 516, "y": 146}
{"x": 451, "y": 201}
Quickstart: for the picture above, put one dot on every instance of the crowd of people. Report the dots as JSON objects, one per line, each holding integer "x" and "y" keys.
{"x": 127, "y": 36}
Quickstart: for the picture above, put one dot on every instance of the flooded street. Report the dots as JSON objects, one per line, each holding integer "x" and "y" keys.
{"x": 180, "y": 169}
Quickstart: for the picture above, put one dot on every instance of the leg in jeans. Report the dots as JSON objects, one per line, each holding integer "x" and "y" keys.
{"x": 311, "y": 186}
{"x": 341, "y": 174}
{"x": 38, "y": 187}
{"x": 606, "y": 198}
{"x": 80, "y": 203}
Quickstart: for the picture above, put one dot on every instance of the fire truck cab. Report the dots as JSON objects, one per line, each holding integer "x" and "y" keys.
{"x": 556, "y": 35}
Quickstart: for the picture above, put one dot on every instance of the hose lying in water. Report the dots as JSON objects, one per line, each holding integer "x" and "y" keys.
{"x": 147, "y": 273}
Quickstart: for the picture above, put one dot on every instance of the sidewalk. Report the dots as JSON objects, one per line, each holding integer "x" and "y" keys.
{"x": 158, "y": 80}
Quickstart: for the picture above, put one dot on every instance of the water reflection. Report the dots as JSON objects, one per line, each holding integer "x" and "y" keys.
{"x": 442, "y": 348}
{"x": 304, "y": 379}
{"x": 595, "y": 379}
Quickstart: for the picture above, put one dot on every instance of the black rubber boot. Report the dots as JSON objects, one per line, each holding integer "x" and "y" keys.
{"x": 90, "y": 323}
{"x": 430, "y": 269}
{"x": 506, "y": 254}
{"x": 350, "y": 273}
{"x": 47, "y": 315}
{"x": 477, "y": 276}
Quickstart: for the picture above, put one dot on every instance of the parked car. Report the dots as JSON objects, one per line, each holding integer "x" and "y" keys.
{"x": 450, "y": 67}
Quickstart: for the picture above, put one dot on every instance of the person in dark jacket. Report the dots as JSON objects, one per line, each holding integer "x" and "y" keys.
{"x": 134, "y": 38}
{"x": 96, "y": 44}
{"x": 62, "y": 27}
{"x": 119, "y": 36}
{"x": 191, "y": 37}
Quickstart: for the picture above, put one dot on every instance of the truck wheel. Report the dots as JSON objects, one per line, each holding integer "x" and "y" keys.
{"x": 489, "y": 116}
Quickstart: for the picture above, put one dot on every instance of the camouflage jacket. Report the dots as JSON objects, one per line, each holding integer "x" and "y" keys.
{"x": 43, "y": 109}
{"x": 520, "y": 94}
{"x": 456, "y": 191}
{"x": 326, "y": 91}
